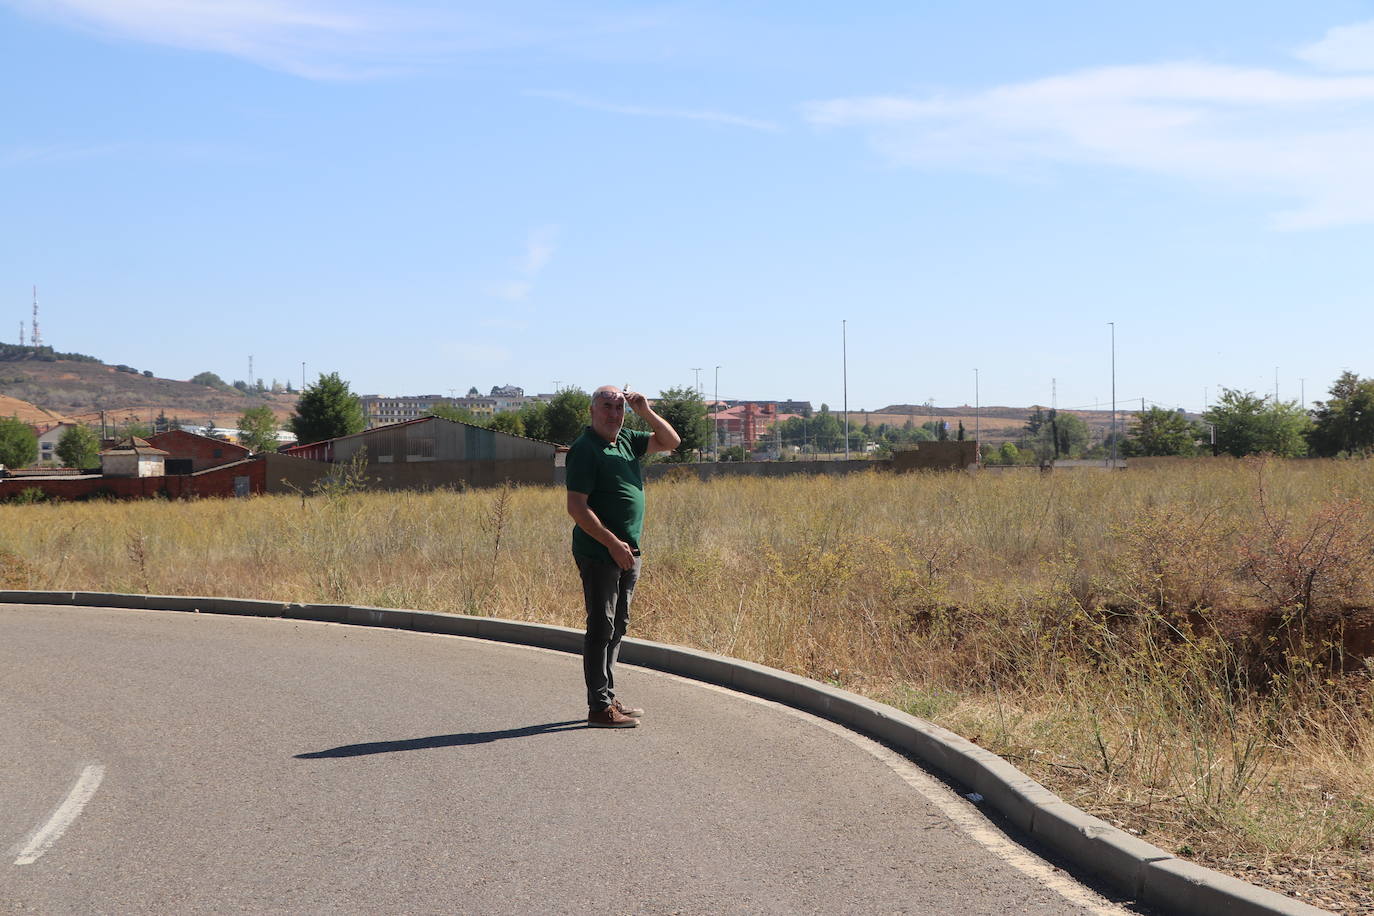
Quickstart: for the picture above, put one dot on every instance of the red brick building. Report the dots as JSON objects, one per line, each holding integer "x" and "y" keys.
{"x": 267, "y": 473}
{"x": 202, "y": 452}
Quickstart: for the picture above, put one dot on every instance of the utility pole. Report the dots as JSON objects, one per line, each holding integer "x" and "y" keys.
{"x": 1113, "y": 324}
{"x": 1302, "y": 388}
{"x": 844, "y": 349}
{"x": 697, "y": 370}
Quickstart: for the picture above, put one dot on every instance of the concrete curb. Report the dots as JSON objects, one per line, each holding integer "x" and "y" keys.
{"x": 1145, "y": 872}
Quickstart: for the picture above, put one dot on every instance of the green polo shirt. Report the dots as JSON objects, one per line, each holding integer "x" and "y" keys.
{"x": 609, "y": 473}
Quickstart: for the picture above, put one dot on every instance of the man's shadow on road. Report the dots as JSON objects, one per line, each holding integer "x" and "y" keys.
{"x": 433, "y": 741}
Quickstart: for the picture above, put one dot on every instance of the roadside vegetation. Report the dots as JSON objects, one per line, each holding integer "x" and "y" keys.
{"x": 1187, "y": 652}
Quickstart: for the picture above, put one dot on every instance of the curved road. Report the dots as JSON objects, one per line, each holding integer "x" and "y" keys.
{"x": 267, "y": 765}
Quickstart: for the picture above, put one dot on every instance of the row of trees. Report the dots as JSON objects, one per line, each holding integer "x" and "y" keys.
{"x": 562, "y": 418}
{"x": 1244, "y": 423}
{"x": 1240, "y": 423}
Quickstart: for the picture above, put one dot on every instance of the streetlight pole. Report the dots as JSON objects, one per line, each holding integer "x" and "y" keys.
{"x": 715, "y": 419}
{"x": 697, "y": 370}
{"x": 977, "y": 420}
{"x": 1113, "y": 324}
{"x": 844, "y": 351}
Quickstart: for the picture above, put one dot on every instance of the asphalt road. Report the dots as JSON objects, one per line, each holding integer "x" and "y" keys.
{"x": 261, "y": 765}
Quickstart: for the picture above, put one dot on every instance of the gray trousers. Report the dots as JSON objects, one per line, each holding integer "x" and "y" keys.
{"x": 607, "y": 590}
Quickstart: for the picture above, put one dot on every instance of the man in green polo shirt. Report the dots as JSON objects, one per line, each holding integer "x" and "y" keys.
{"x": 606, "y": 500}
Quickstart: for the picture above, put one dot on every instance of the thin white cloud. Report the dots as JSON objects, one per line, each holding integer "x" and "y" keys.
{"x": 339, "y": 39}
{"x": 539, "y": 248}
{"x": 1303, "y": 138}
{"x": 1344, "y": 48}
{"x": 640, "y": 111}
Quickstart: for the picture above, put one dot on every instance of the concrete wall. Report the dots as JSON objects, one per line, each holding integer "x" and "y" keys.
{"x": 430, "y": 475}
{"x": 929, "y": 456}
{"x": 936, "y": 456}
{"x": 284, "y": 474}
{"x": 712, "y": 470}
{"x": 264, "y": 474}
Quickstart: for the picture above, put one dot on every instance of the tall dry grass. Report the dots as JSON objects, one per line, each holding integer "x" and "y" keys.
{"x": 1175, "y": 650}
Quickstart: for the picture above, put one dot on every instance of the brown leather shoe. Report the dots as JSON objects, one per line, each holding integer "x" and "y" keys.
{"x": 633, "y": 712}
{"x": 610, "y": 717}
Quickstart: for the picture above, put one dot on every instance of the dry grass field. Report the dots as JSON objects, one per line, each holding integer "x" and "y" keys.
{"x": 1184, "y": 652}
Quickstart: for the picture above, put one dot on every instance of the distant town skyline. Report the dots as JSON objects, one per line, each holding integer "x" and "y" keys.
{"x": 700, "y": 193}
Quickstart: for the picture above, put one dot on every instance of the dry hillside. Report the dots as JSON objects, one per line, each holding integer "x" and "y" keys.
{"x": 996, "y": 424}
{"x": 82, "y": 390}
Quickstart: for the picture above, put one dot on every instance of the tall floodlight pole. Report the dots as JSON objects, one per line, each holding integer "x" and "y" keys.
{"x": 1113, "y": 324}
{"x": 715, "y": 419}
{"x": 977, "y": 419}
{"x": 1302, "y": 392}
{"x": 697, "y": 370}
{"x": 844, "y": 357}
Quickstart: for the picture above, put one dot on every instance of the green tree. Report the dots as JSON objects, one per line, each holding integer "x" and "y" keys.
{"x": 826, "y": 431}
{"x": 508, "y": 422}
{"x": 566, "y": 415}
{"x": 258, "y": 429}
{"x": 1247, "y": 424}
{"x": 534, "y": 418}
{"x": 327, "y": 410}
{"x": 1345, "y": 422}
{"x": 208, "y": 378}
{"x": 1159, "y": 431}
{"x": 18, "y": 444}
{"x": 1009, "y": 454}
{"x": 79, "y": 447}
{"x": 685, "y": 412}
{"x": 1051, "y": 434}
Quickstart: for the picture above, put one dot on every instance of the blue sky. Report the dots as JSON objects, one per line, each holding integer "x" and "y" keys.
{"x": 425, "y": 196}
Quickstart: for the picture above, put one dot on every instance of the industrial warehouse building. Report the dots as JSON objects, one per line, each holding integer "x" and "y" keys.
{"x": 434, "y": 452}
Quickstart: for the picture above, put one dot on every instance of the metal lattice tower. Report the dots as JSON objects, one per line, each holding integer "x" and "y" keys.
{"x": 37, "y": 338}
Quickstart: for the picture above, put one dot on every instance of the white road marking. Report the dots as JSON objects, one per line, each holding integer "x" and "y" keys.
{"x": 63, "y": 817}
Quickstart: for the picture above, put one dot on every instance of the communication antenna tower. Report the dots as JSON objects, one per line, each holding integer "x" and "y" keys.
{"x": 250, "y": 370}
{"x": 37, "y": 338}
{"x": 21, "y": 333}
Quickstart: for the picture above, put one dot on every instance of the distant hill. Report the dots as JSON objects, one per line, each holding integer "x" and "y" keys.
{"x": 81, "y": 388}
{"x": 995, "y": 424}
{"x": 29, "y": 413}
